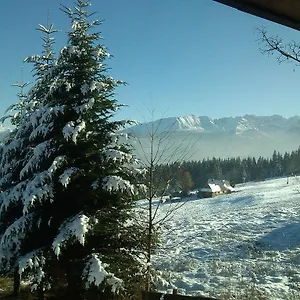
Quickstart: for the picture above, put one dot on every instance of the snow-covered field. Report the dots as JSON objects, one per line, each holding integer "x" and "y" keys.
{"x": 248, "y": 238}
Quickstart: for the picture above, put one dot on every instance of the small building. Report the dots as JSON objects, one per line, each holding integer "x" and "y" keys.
{"x": 215, "y": 187}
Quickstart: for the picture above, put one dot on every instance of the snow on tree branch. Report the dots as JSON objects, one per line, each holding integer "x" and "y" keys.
{"x": 71, "y": 130}
{"x": 12, "y": 195}
{"x": 115, "y": 183}
{"x": 65, "y": 178}
{"x": 45, "y": 114}
{"x": 41, "y": 130}
{"x": 57, "y": 163}
{"x": 13, "y": 145}
{"x": 7, "y": 167}
{"x": 97, "y": 86}
{"x": 5, "y": 178}
{"x": 117, "y": 155}
{"x": 100, "y": 52}
{"x": 86, "y": 106}
{"x": 95, "y": 273}
{"x": 31, "y": 260}
{"x": 36, "y": 190}
{"x": 40, "y": 151}
{"x": 76, "y": 227}
{"x": 14, "y": 234}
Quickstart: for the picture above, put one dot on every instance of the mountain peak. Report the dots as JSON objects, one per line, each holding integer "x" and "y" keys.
{"x": 242, "y": 136}
{"x": 205, "y": 124}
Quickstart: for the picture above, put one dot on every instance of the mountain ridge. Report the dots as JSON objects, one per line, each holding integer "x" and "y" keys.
{"x": 244, "y": 136}
{"x": 206, "y": 124}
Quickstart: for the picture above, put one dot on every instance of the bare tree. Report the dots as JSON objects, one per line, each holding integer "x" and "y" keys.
{"x": 160, "y": 148}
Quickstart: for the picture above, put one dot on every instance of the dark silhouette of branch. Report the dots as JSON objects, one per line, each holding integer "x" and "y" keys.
{"x": 289, "y": 52}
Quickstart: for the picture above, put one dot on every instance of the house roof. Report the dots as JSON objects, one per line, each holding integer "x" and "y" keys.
{"x": 211, "y": 187}
{"x": 284, "y": 12}
{"x": 228, "y": 187}
{"x": 214, "y": 185}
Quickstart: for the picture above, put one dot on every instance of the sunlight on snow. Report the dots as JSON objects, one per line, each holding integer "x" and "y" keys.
{"x": 252, "y": 235}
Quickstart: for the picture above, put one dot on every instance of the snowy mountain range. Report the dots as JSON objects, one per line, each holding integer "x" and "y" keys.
{"x": 203, "y": 137}
{"x": 204, "y": 124}
{"x": 244, "y": 136}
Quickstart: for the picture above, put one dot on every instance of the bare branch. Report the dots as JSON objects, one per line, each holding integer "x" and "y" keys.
{"x": 274, "y": 45}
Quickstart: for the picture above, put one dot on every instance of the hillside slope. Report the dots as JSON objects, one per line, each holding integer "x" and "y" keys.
{"x": 253, "y": 235}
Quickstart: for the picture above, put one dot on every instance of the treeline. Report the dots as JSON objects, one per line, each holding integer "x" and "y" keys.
{"x": 236, "y": 170}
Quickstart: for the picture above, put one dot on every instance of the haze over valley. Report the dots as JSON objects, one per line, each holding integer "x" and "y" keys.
{"x": 204, "y": 137}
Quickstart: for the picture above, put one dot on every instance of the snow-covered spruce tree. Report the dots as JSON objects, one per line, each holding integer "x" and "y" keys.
{"x": 14, "y": 152}
{"x": 66, "y": 183}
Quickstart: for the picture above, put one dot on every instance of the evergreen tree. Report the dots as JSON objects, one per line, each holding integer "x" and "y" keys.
{"x": 216, "y": 170}
{"x": 67, "y": 183}
{"x": 15, "y": 151}
{"x": 276, "y": 164}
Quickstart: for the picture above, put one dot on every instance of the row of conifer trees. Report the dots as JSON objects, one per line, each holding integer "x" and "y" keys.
{"x": 188, "y": 175}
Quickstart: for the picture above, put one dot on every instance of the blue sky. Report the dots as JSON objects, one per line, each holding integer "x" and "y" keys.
{"x": 179, "y": 57}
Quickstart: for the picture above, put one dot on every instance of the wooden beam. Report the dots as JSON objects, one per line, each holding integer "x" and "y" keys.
{"x": 284, "y": 12}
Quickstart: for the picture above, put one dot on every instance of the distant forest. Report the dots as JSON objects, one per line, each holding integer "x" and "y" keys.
{"x": 236, "y": 170}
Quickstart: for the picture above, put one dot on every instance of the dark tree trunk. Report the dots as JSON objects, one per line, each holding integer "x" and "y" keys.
{"x": 74, "y": 288}
{"x": 17, "y": 282}
{"x": 41, "y": 294}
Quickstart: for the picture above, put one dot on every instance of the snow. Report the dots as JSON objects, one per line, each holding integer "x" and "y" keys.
{"x": 76, "y": 226}
{"x": 86, "y": 106}
{"x": 95, "y": 273}
{"x": 39, "y": 151}
{"x": 96, "y": 85}
{"x": 65, "y": 178}
{"x": 85, "y": 88}
{"x": 38, "y": 277}
{"x": 14, "y": 234}
{"x": 68, "y": 86}
{"x": 117, "y": 155}
{"x": 36, "y": 190}
{"x": 57, "y": 162}
{"x": 205, "y": 124}
{"x": 71, "y": 130}
{"x": 47, "y": 112}
{"x": 116, "y": 183}
{"x": 7, "y": 177}
{"x": 217, "y": 186}
{"x": 55, "y": 85}
{"x": 12, "y": 146}
{"x": 72, "y": 50}
{"x": 42, "y": 130}
{"x": 212, "y": 188}
{"x": 33, "y": 260}
{"x": 250, "y": 236}
{"x": 76, "y": 25}
{"x": 99, "y": 52}
{"x": 189, "y": 123}
{"x": 11, "y": 195}
{"x": 30, "y": 260}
